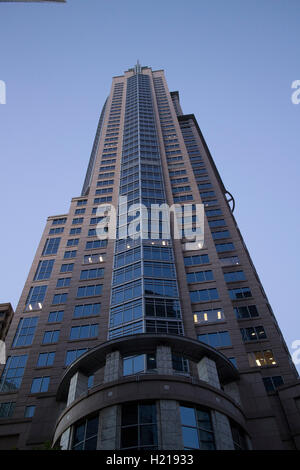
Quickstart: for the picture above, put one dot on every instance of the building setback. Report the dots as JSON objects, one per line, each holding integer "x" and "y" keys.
{"x": 146, "y": 343}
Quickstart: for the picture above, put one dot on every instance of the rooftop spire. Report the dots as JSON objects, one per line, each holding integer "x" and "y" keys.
{"x": 137, "y": 67}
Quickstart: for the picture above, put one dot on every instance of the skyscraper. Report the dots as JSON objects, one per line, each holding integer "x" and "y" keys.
{"x": 146, "y": 342}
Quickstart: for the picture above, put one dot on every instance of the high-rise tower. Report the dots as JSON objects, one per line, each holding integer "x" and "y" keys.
{"x": 144, "y": 342}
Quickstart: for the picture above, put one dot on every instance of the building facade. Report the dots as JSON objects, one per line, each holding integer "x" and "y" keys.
{"x": 6, "y": 315}
{"x": 144, "y": 342}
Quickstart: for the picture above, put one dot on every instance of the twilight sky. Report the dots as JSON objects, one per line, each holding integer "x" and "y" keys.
{"x": 233, "y": 63}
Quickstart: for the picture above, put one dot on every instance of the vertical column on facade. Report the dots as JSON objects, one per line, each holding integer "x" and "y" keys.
{"x": 222, "y": 431}
{"x": 207, "y": 371}
{"x": 108, "y": 429}
{"x": 164, "y": 360}
{"x": 233, "y": 390}
{"x": 171, "y": 435}
{"x": 112, "y": 370}
{"x": 78, "y": 386}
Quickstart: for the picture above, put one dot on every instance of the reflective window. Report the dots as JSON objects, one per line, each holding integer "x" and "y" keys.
{"x": 51, "y": 336}
{"x": 126, "y": 313}
{"x": 87, "y": 310}
{"x": 59, "y": 298}
{"x": 29, "y": 411}
{"x": 46, "y": 359}
{"x": 72, "y": 355}
{"x": 196, "y": 259}
{"x": 13, "y": 373}
{"x": 56, "y": 316}
{"x": 138, "y": 426}
{"x": 200, "y": 276}
{"x": 85, "y": 434}
{"x": 84, "y": 331}
{"x": 40, "y": 385}
{"x": 272, "y": 383}
{"x": 197, "y": 428}
{"x": 217, "y": 340}
{"x": 7, "y": 409}
{"x": 156, "y": 307}
{"x": 235, "y": 276}
{"x": 25, "y": 332}
{"x": 139, "y": 363}
{"x": 87, "y": 291}
{"x": 51, "y": 246}
{"x": 204, "y": 295}
{"x": 44, "y": 270}
{"x": 179, "y": 363}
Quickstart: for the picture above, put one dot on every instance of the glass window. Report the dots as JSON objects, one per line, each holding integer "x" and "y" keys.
{"x": 51, "y": 246}
{"x": 55, "y": 316}
{"x": 218, "y": 339}
{"x": 25, "y": 332}
{"x": 87, "y": 310}
{"x": 84, "y": 331}
{"x": 197, "y": 428}
{"x": 75, "y": 231}
{"x": 72, "y": 355}
{"x": 44, "y": 270}
{"x": 140, "y": 363}
{"x": 196, "y": 259}
{"x": 35, "y": 298}
{"x": 29, "y": 411}
{"x": 156, "y": 307}
{"x": 179, "y": 363}
{"x": 229, "y": 260}
{"x": 272, "y": 383}
{"x": 70, "y": 254}
{"x": 235, "y": 276}
{"x": 63, "y": 282}
{"x": 138, "y": 426}
{"x": 66, "y": 268}
{"x": 51, "y": 336}
{"x": 13, "y": 373}
{"x": 200, "y": 276}
{"x": 46, "y": 359}
{"x": 87, "y": 291}
{"x": 247, "y": 311}
{"x": 163, "y": 326}
{"x": 253, "y": 333}
{"x": 86, "y": 434}
{"x": 204, "y": 295}
{"x": 238, "y": 436}
{"x": 209, "y": 315}
{"x": 59, "y": 299}
{"x": 220, "y": 247}
{"x": 242, "y": 293}
{"x": 261, "y": 358}
{"x": 7, "y": 409}
{"x": 92, "y": 273}
{"x": 40, "y": 385}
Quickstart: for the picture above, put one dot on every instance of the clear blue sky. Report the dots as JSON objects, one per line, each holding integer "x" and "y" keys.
{"x": 233, "y": 62}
